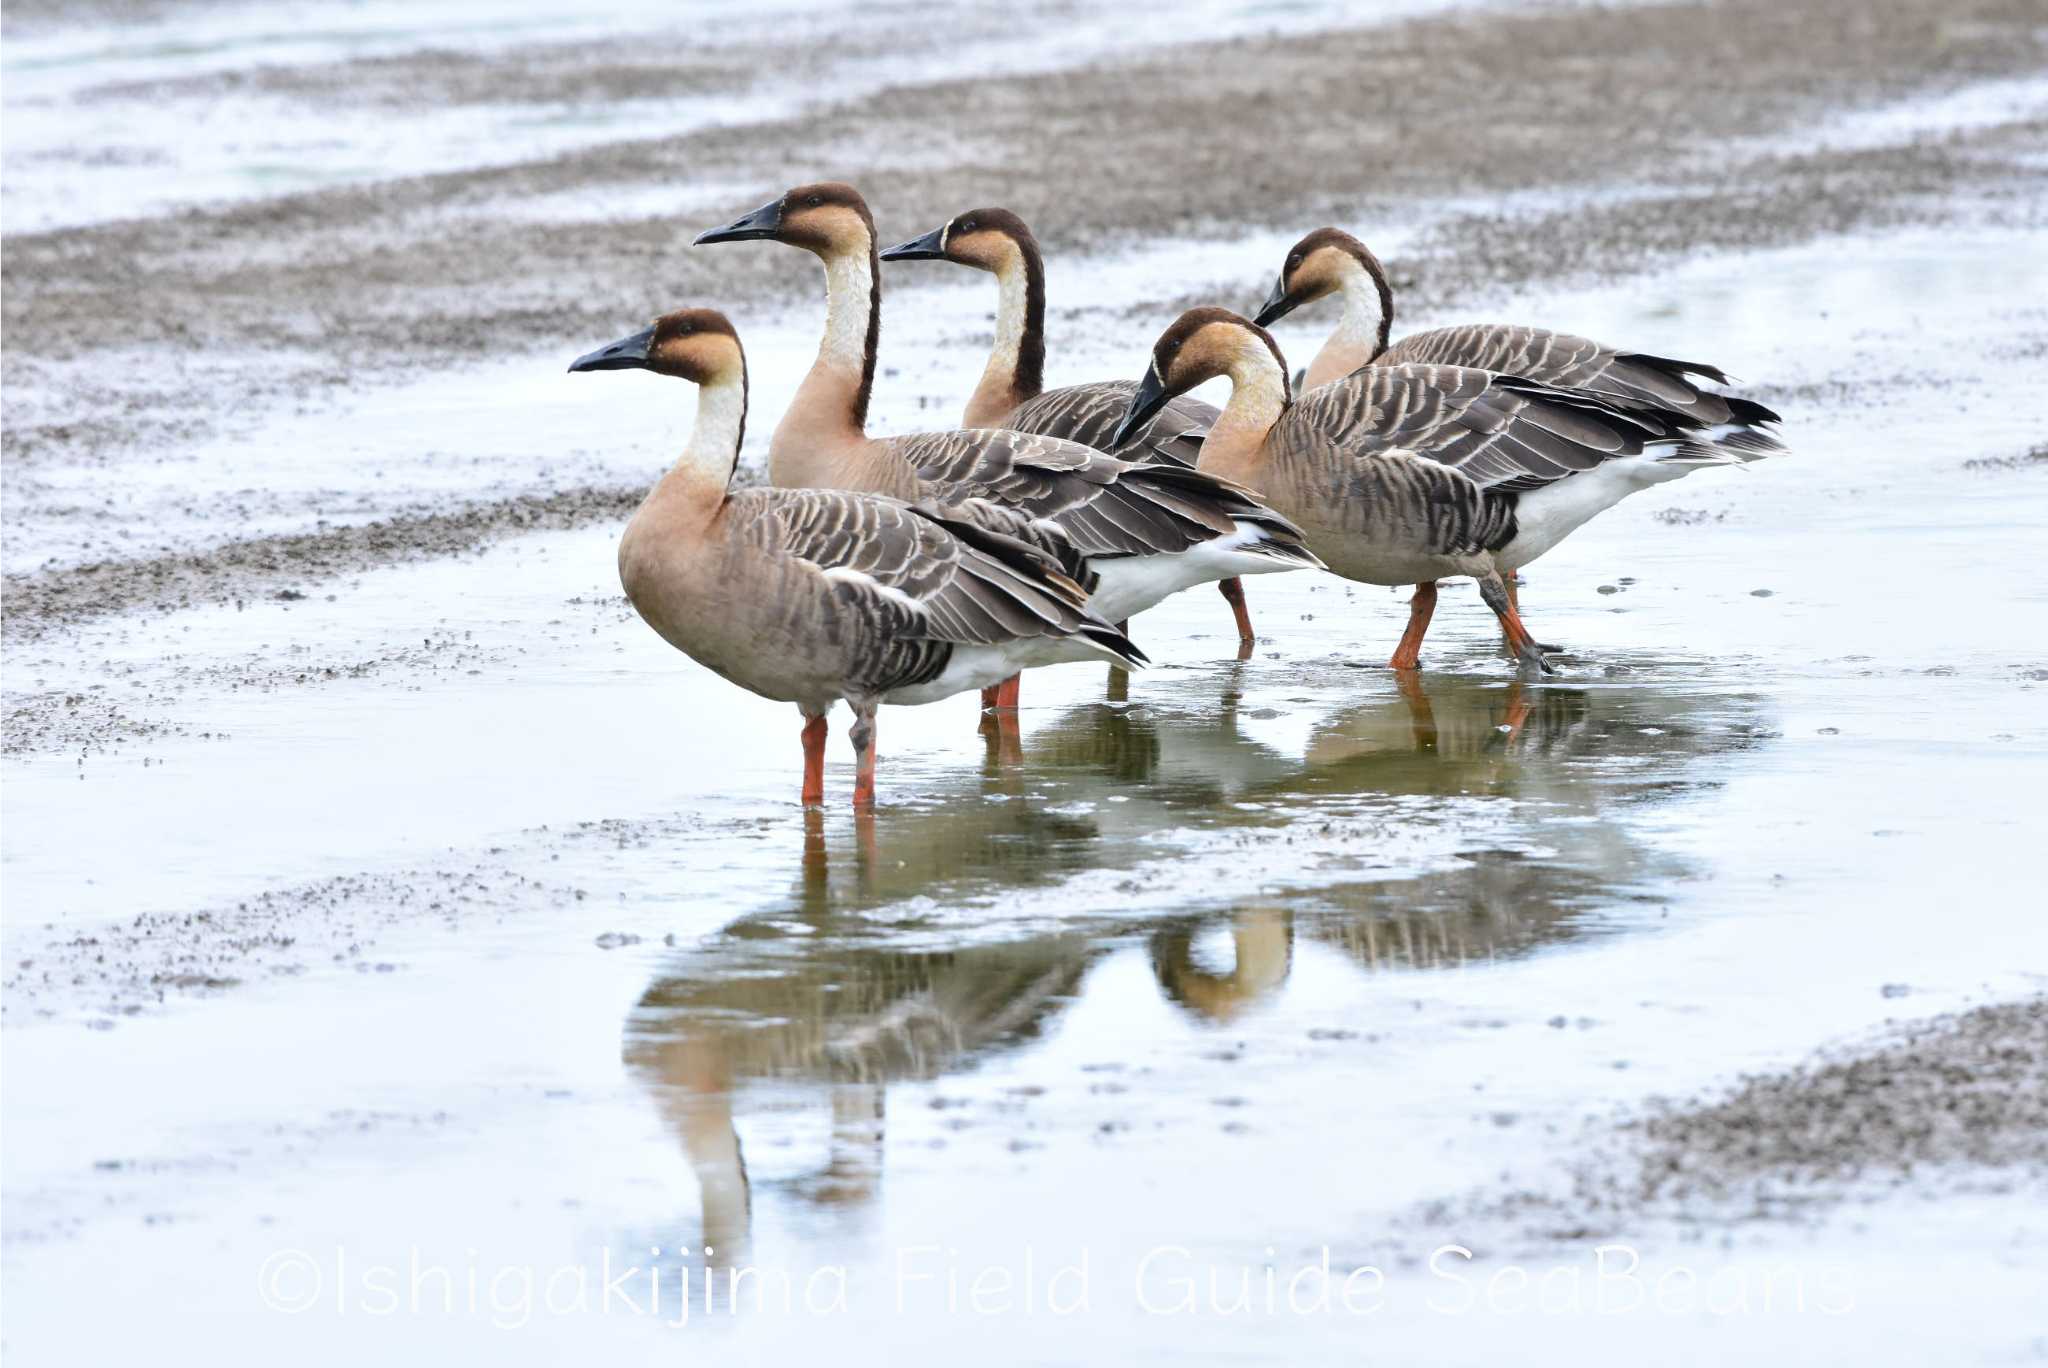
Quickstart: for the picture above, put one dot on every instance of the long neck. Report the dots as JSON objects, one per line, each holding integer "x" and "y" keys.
{"x": 1235, "y": 446}
{"x": 1016, "y": 365}
{"x": 702, "y": 473}
{"x": 830, "y": 411}
{"x": 1362, "y": 333}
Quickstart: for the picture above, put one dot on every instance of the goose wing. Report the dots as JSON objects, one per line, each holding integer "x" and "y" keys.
{"x": 1574, "y": 362}
{"x": 1500, "y": 431}
{"x": 1387, "y": 494}
{"x": 1106, "y": 506}
{"x": 1089, "y": 414}
{"x": 897, "y": 575}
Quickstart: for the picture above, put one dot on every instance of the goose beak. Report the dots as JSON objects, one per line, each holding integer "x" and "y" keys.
{"x": 930, "y": 247}
{"x": 763, "y": 223}
{"x": 628, "y": 353}
{"x": 1277, "y": 306}
{"x": 1151, "y": 396}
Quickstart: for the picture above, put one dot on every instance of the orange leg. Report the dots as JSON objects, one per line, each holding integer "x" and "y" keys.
{"x": 1007, "y": 691}
{"x": 1408, "y": 655}
{"x": 814, "y": 760}
{"x": 988, "y": 696}
{"x": 863, "y": 737}
{"x": 1233, "y": 590}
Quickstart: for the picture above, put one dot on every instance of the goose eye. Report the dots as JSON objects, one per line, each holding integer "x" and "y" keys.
{"x": 815, "y": 200}
{"x": 967, "y": 227}
{"x": 1294, "y": 261}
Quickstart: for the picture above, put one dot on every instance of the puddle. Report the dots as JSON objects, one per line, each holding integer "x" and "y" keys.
{"x": 1262, "y": 957}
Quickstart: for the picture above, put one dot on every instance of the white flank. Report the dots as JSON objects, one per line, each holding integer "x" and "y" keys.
{"x": 1131, "y": 584}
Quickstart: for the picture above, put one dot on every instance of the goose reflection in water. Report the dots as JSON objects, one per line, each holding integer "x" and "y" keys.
{"x": 856, "y": 983}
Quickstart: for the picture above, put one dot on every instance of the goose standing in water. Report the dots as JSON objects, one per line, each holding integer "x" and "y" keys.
{"x": 1411, "y": 474}
{"x": 1331, "y": 261}
{"x": 1145, "y": 530}
{"x": 1012, "y": 393}
{"x": 816, "y": 595}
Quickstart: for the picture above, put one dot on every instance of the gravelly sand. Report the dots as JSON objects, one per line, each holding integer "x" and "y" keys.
{"x": 1965, "y": 1089}
{"x": 1956, "y": 1101}
{"x": 276, "y": 566}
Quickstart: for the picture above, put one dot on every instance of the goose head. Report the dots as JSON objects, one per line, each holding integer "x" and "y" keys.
{"x": 828, "y": 218}
{"x": 993, "y": 240}
{"x": 698, "y": 345}
{"x": 1201, "y": 345}
{"x": 1325, "y": 262}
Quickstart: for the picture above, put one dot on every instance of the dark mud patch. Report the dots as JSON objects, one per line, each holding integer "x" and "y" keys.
{"x": 143, "y": 701}
{"x": 280, "y": 567}
{"x": 2035, "y": 459}
{"x": 108, "y": 973}
{"x": 122, "y": 971}
{"x": 1957, "y": 1101}
{"x": 84, "y": 720}
{"x": 1963, "y": 1090}
{"x": 566, "y": 74}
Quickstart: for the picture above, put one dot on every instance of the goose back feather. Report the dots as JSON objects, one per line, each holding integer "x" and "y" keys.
{"x": 1089, "y": 414}
{"x": 1570, "y": 361}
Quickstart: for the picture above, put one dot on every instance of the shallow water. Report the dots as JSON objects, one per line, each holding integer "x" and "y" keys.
{"x": 1264, "y": 956}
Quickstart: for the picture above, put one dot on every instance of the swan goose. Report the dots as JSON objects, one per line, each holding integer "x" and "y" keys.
{"x": 810, "y": 596}
{"x": 1012, "y": 394}
{"x": 1331, "y": 261}
{"x": 1411, "y": 474}
{"x": 1146, "y": 531}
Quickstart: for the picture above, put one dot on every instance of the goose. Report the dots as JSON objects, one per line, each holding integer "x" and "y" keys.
{"x": 1146, "y": 530}
{"x": 1011, "y": 393}
{"x": 1414, "y": 473}
{"x": 813, "y": 596}
{"x": 1331, "y": 261}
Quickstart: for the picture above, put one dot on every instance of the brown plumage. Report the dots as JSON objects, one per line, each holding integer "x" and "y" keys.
{"x": 1332, "y": 261}
{"x": 1089, "y": 414}
{"x": 812, "y": 596}
{"x": 1409, "y": 474}
{"x": 1011, "y": 391}
{"x": 1146, "y": 530}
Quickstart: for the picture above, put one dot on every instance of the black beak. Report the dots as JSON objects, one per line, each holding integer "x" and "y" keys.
{"x": 1151, "y": 396}
{"x": 764, "y": 222}
{"x": 930, "y": 247}
{"x": 628, "y": 353}
{"x": 1277, "y": 306}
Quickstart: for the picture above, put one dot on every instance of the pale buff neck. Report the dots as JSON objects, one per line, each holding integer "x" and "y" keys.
{"x": 1020, "y": 319}
{"x": 694, "y": 488}
{"x": 827, "y": 420}
{"x": 1235, "y": 446}
{"x": 1360, "y": 335}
